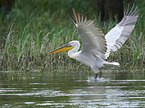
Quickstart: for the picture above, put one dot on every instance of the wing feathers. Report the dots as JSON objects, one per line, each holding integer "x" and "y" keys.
{"x": 82, "y": 16}
{"x": 93, "y": 40}
{"x": 75, "y": 15}
{"x": 117, "y": 36}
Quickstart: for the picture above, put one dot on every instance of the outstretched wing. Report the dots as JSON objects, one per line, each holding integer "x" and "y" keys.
{"x": 119, "y": 34}
{"x": 93, "y": 40}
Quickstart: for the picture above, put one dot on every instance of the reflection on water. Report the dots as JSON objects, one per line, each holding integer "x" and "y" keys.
{"x": 72, "y": 89}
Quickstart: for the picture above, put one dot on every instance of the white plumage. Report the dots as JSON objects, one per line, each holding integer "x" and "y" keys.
{"x": 119, "y": 34}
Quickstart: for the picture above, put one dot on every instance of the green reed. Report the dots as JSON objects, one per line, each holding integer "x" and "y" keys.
{"x": 34, "y": 28}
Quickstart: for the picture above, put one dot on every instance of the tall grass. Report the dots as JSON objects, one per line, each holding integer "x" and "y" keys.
{"x": 35, "y": 27}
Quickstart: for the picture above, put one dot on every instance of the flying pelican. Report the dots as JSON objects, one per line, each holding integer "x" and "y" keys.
{"x": 95, "y": 46}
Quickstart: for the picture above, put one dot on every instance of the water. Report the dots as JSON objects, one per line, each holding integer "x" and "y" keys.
{"x": 58, "y": 88}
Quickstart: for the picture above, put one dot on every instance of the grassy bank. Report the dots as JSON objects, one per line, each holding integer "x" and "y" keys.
{"x": 35, "y": 27}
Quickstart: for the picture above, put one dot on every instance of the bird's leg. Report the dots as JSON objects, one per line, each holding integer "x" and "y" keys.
{"x": 100, "y": 74}
{"x": 96, "y": 75}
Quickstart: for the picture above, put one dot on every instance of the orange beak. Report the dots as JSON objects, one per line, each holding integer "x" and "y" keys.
{"x": 62, "y": 48}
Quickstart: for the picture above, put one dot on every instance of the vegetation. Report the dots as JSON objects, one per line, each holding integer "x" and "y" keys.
{"x": 35, "y": 27}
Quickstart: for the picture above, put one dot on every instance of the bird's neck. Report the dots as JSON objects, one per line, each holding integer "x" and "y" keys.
{"x": 73, "y": 51}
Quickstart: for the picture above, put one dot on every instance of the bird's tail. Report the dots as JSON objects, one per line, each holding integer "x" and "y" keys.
{"x": 110, "y": 64}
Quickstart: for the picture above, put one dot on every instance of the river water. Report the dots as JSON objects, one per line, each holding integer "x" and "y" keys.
{"x": 72, "y": 89}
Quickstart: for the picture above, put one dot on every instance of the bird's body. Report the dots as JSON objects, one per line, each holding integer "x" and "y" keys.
{"x": 95, "y": 46}
{"x": 89, "y": 59}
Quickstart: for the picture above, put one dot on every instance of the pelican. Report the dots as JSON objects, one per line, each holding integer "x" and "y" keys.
{"x": 95, "y": 45}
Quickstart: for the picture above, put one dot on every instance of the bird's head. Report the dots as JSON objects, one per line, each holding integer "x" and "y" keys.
{"x": 65, "y": 47}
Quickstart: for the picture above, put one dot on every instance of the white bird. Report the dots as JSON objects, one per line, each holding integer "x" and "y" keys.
{"x": 95, "y": 46}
